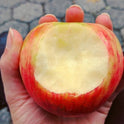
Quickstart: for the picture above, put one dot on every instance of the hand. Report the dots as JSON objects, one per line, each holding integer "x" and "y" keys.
{"x": 22, "y": 107}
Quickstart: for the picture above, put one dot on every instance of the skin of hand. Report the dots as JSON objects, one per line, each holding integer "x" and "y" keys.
{"x": 22, "y": 107}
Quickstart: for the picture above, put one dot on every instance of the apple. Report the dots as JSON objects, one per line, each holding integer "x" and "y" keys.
{"x": 71, "y": 68}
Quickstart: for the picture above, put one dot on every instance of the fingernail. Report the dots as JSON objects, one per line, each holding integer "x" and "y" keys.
{"x": 9, "y": 39}
{"x": 106, "y": 14}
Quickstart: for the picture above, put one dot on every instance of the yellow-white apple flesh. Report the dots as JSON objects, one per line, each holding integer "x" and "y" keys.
{"x": 71, "y": 68}
{"x": 71, "y": 63}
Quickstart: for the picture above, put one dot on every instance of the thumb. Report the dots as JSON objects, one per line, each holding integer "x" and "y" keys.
{"x": 10, "y": 58}
{"x": 9, "y": 64}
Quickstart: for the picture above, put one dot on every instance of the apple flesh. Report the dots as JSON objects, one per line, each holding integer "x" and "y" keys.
{"x": 71, "y": 68}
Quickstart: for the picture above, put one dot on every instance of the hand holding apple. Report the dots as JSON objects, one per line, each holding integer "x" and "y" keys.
{"x": 71, "y": 68}
{"x": 13, "y": 81}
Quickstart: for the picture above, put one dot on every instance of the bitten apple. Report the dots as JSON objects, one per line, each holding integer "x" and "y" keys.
{"x": 71, "y": 68}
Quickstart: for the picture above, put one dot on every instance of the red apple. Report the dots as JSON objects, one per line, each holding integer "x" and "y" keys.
{"x": 71, "y": 68}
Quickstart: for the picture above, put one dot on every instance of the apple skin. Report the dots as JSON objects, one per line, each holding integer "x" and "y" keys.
{"x": 70, "y": 104}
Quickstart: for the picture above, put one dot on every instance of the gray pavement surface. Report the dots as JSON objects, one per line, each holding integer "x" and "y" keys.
{"x": 23, "y": 15}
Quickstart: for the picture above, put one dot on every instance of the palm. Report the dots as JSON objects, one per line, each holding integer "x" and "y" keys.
{"x": 39, "y": 115}
{"x": 45, "y": 118}
{"x": 22, "y": 107}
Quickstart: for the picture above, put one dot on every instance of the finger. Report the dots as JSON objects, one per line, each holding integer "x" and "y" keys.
{"x": 9, "y": 65}
{"x": 48, "y": 18}
{"x": 104, "y": 19}
{"x": 74, "y": 14}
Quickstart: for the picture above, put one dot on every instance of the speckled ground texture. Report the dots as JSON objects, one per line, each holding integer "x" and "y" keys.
{"x": 23, "y": 15}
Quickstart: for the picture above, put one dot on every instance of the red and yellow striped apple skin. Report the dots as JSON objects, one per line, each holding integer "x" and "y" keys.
{"x": 70, "y": 104}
